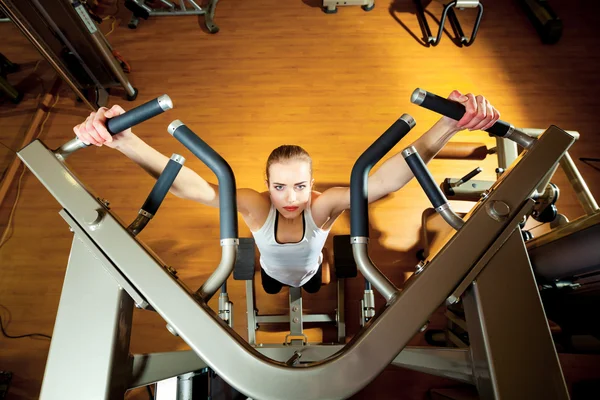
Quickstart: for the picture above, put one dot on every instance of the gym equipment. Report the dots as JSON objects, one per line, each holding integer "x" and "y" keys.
{"x": 141, "y": 9}
{"x": 448, "y": 12}
{"x": 66, "y": 36}
{"x": 547, "y": 24}
{"x": 244, "y": 270}
{"x": 110, "y": 270}
{"x": 564, "y": 260}
{"x": 330, "y": 6}
{"x": 7, "y": 67}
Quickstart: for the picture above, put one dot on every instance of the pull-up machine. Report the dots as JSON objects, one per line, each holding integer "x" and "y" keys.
{"x": 110, "y": 271}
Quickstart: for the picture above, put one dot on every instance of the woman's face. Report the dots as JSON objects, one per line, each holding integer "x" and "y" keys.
{"x": 290, "y": 185}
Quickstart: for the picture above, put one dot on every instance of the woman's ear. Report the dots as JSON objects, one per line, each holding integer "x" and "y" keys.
{"x": 312, "y": 184}
{"x": 267, "y": 183}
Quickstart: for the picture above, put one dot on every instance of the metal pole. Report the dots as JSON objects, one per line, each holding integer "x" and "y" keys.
{"x": 581, "y": 189}
{"x": 15, "y": 19}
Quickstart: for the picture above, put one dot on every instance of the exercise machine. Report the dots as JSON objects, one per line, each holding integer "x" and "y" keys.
{"x": 142, "y": 9}
{"x": 449, "y": 13}
{"x": 543, "y": 18}
{"x": 111, "y": 271}
{"x": 7, "y": 67}
{"x": 564, "y": 260}
{"x": 65, "y": 35}
{"x": 245, "y": 270}
{"x": 330, "y": 6}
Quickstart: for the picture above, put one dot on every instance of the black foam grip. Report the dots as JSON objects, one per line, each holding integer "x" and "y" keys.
{"x": 454, "y": 110}
{"x": 134, "y": 117}
{"x": 161, "y": 187}
{"x": 227, "y": 189}
{"x": 359, "y": 199}
{"x": 420, "y": 171}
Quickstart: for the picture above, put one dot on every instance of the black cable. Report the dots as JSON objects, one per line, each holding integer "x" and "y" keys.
{"x": 6, "y": 169}
{"x": 8, "y": 148}
{"x": 21, "y": 336}
{"x": 588, "y": 161}
{"x": 150, "y": 394}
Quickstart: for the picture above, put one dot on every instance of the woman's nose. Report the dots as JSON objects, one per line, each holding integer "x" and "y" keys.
{"x": 291, "y": 196}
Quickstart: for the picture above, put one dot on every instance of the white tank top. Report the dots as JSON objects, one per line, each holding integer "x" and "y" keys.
{"x": 291, "y": 263}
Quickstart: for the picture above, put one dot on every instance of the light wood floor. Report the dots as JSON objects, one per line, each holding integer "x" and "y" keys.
{"x": 284, "y": 72}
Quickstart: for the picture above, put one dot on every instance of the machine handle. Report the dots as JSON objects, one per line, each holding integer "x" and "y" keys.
{"x": 163, "y": 184}
{"x": 433, "y": 192}
{"x": 469, "y": 176}
{"x": 227, "y": 188}
{"x": 453, "y": 109}
{"x": 122, "y": 122}
{"x": 359, "y": 216}
{"x": 157, "y": 194}
{"x": 139, "y": 114}
{"x": 421, "y": 172}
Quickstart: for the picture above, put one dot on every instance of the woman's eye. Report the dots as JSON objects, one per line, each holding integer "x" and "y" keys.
{"x": 278, "y": 187}
{"x": 300, "y": 187}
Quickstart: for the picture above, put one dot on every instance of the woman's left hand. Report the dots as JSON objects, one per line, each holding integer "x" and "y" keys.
{"x": 479, "y": 114}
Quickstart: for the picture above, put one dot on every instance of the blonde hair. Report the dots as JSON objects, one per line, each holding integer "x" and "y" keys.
{"x": 285, "y": 153}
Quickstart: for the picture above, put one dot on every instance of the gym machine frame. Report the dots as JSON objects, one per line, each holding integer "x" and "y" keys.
{"x": 140, "y": 9}
{"x": 330, "y": 6}
{"x": 110, "y": 271}
{"x": 449, "y": 13}
{"x": 296, "y": 318}
{"x": 49, "y": 24}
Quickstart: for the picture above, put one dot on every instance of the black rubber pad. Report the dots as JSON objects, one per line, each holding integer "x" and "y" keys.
{"x": 343, "y": 259}
{"x": 244, "y": 263}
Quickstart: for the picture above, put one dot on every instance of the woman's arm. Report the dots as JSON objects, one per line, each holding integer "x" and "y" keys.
{"x": 188, "y": 184}
{"x": 394, "y": 173}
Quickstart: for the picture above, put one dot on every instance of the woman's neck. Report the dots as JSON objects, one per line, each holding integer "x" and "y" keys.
{"x": 297, "y": 220}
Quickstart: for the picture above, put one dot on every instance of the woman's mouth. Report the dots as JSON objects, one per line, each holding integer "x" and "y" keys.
{"x": 290, "y": 208}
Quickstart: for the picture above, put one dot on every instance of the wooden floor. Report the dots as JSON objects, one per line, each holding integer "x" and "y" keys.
{"x": 285, "y": 72}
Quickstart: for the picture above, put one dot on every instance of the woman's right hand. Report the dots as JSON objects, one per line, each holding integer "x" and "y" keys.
{"x": 93, "y": 129}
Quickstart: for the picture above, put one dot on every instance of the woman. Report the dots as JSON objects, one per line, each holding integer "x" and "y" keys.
{"x": 289, "y": 221}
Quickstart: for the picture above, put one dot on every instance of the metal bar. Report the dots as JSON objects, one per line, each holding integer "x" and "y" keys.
{"x": 250, "y": 314}
{"x": 585, "y": 197}
{"x": 17, "y": 20}
{"x": 59, "y": 32}
{"x": 169, "y": 13}
{"x": 275, "y": 319}
{"x": 523, "y": 366}
{"x": 229, "y": 249}
{"x": 106, "y": 263}
{"x": 537, "y": 132}
{"x": 111, "y": 61}
{"x": 185, "y": 388}
{"x": 456, "y": 319}
{"x": 196, "y": 6}
{"x": 371, "y": 273}
{"x": 295, "y": 311}
{"x": 491, "y": 251}
{"x": 154, "y": 367}
{"x": 507, "y": 152}
{"x": 318, "y": 318}
{"x": 456, "y": 340}
{"x": 89, "y": 352}
{"x": 272, "y": 319}
{"x": 168, "y": 3}
{"x": 541, "y": 189}
{"x": 372, "y": 348}
{"x": 448, "y": 363}
{"x": 341, "y": 311}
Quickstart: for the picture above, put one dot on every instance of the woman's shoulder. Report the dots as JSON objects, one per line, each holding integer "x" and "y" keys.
{"x": 315, "y": 195}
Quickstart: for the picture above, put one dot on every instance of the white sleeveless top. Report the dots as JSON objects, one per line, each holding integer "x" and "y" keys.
{"x": 291, "y": 263}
